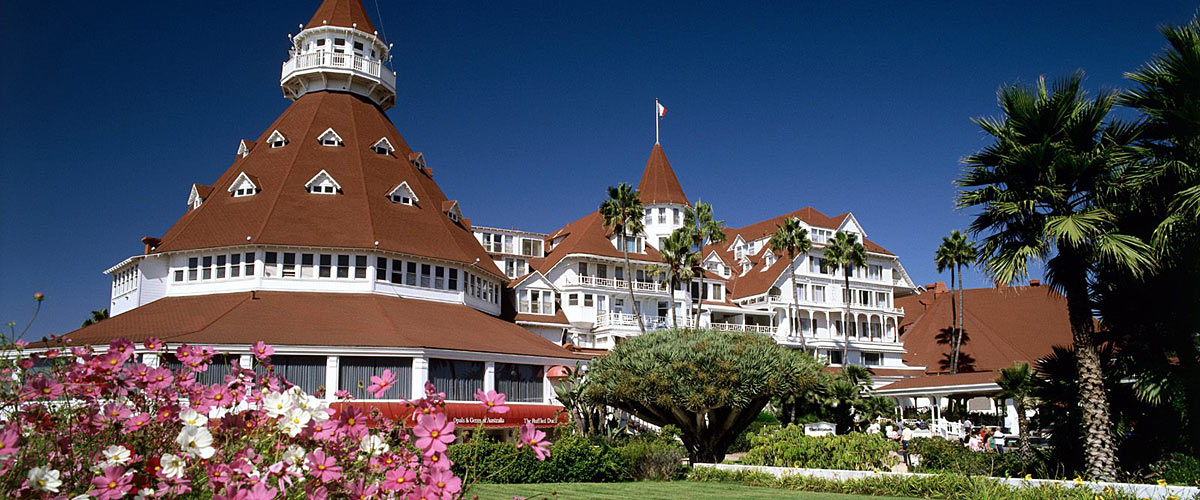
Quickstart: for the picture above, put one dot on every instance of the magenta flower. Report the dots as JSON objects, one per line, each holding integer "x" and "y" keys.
{"x": 426, "y": 493}
{"x": 41, "y": 387}
{"x": 112, "y": 484}
{"x": 158, "y": 378}
{"x": 536, "y": 440}
{"x": 359, "y": 490}
{"x": 324, "y": 467}
{"x": 493, "y": 401}
{"x": 218, "y": 396}
{"x": 137, "y": 422}
{"x": 262, "y": 350}
{"x": 153, "y": 344}
{"x": 260, "y": 491}
{"x": 400, "y": 479}
{"x": 8, "y": 441}
{"x": 433, "y": 433}
{"x": 380, "y": 384}
{"x": 115, "y": 413}
{"x": 446, "y": 483}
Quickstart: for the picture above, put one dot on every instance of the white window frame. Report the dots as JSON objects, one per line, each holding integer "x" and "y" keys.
{"x": 238, "y": 189}
{"x": 402, "y": 192}
{"x": 317, "y": 184}
{"x": 330, "y": 138}
{"x": 383, "y": 146}
{"x": 277, "y": 140}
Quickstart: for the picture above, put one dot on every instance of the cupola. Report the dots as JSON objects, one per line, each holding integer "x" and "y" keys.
{"x": 339, "y": 50}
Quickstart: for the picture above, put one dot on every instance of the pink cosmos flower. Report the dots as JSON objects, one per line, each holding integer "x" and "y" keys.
{"x": 324, "y": 467}
{"x": 361, "y": 491}
{"x": 218, "y": 396}
{"x": 112, "y": 484}
{"x": 137, "y": 422}
{"x": 262, "y": 350}
{"x": 158, "y": 378}
{"x": 433, "y": 432}
{"x": 41, "y": 387}
{"x": 260, "y": 491}
{"x": 536, "y": 440}
{"x": 8, "y": 441}
{"x": 426, "y": 493}
{"x": 325, "y": 431}
{"x": 380, "y": 384}
{"x": 445, "y": 482}
{"x": 493, "y": 401}
{"x": 399, "y": 479}
{"x": 153, "y": 344}
{"x": 352, "y": 422}
{"x": 122, "y": 347}
{"x": 114, "y": 413}
{"x": 432, "y": 394}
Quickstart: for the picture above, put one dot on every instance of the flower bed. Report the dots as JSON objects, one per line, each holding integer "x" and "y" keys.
{"x": 80, "y": 423}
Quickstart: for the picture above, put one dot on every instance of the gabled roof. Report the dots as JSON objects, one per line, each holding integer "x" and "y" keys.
{"x": 1002, "y": 325}
{"x": 199, "y": 191}
{"x": 808, "y": 215}
{"x": 659, "y": 184}
{"x": 404, "y": 188}
{"x": 344, "y": 13}
{"x": 244, "y": 177}
{"x": 321, "y": 319}
{"x": 286, "y": 214}
{"x": 320, "y": 175}
{"x": 589, "y": 236}
{"x": 244, "y": 147}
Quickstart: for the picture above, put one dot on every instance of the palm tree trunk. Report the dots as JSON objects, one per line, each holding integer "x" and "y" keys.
{"x": 846, "y": 318}
{"x": 795, "y": 308}
{"x": 674, "y": 312}
{"x": 956, "y": 330}
{"x": 637, "y": 311}
{"x": 1099, "y": 445}
{"x": 962, "y": 321}
{"x": 1023, "y": 431}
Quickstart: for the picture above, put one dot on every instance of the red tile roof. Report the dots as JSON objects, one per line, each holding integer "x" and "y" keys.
{"x": 345, "y": 13}
{"x": 320, "y": 319}
{"x": 203, "y": 191}
{"x": 588, "y": 236}
{"x": 284, "y": 213}
{"x": 809, "y": 215}
{"x": 942, "y": 380}
{"x": 1003, "y": 325}
{"x": 659, "y": 184}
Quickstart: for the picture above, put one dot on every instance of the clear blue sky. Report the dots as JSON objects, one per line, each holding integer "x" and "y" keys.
{"x": 111, "y": 110}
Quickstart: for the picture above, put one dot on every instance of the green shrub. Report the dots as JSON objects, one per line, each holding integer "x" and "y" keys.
{"x": 742, "y": 441}
{"x": 572, "y": 460}
{"x": 653, "y": 457}
{"x": 1180, "y": 469}
{"x": 789, "y": 447}
{"x": 943, "y": 455}
{"x": 946, "y": 486}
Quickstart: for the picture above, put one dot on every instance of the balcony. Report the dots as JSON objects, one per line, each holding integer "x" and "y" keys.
{"x": 616, "y": 284}
{"x": 735, "y": 327}
{"x": 617, "y": 320}
{"x": 346, "y": 63}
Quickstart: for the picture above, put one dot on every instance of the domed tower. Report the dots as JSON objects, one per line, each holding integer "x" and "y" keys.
{"x": 662, "y": 197}
{"x": 339, "y": 49}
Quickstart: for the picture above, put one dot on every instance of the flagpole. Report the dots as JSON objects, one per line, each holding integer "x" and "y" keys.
{"x": 656, "y": 120}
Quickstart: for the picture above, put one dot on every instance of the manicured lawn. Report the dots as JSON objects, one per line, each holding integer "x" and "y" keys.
{"x": 686, "y": 490}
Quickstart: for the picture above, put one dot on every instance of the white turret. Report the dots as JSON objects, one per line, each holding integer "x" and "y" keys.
{"x": 339, "y": 50}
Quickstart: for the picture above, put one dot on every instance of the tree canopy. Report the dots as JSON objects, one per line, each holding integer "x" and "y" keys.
{"x": 709, "y": 384}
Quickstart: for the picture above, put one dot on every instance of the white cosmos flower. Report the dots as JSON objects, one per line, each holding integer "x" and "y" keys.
{"x": 373, "y": 445}
{"x": 115, "y": 455}
{"x": 218, "y": 412}
{"x": 319, "y": 411}
{"x": 294, "y": 454}
{"x": 294, "y": 421}
{"x": 193, "y": 418}
{"x": 276, "y": 404}
{"x": 196, "y": 441}
{"x": 172, "y": 466}
{"x": 144, "y": 494}
{"x": 44, "y": 479}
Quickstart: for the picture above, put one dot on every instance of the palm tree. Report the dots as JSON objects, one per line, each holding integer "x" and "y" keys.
{"x": 791, "y": 238}
{"x": 622, "y": 213}
{"x": 1041, "y": 188}
{"x": 678, "y": 265}
{"x": 97, "y": 316}
{"x": 846, "y": 253}
{"x": 954, "y": 253}
{"x": 698, "y": 221}
{"x": 1017, "y": 383}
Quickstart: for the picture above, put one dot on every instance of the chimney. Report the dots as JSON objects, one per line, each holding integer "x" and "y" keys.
{"x": 1035, "y": 282}
{"x": 151, "y": 244}
{"x": 936, "y": 287}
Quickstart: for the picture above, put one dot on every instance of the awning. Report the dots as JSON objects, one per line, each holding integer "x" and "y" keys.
{"x": 469, "y": 415}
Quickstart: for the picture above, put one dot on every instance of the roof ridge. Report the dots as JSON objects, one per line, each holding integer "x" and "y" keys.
{"x": 363, "y": 175}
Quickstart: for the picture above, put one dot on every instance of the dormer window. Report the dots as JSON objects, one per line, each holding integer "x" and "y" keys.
{"x": 277, "y": 140}
{"x": 322, "y": 183}
{"x": 452, "y": 211}
{"x": 383, "y": 147}
{"x": 198, "y": 194}
{"x": 403, "y": 194}
{"x": 330, "y": 138}
{"x": 418, "y": 160}
{"x": 244, "y": 185}
{"x": 244, "y": 147}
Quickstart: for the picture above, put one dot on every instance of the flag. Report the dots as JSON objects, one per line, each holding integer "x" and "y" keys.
{"x": 662, "y": 110}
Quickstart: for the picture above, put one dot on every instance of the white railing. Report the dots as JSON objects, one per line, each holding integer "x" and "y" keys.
{"x": 351, "y": 62}
{"x": 735, "y": 327}
{"x": 606, "y": 320}
{"x": 616, "y": 284}
{"x": 765, "y": 299}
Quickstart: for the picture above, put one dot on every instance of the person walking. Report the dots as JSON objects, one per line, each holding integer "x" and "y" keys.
{"x": 905, "y": 437}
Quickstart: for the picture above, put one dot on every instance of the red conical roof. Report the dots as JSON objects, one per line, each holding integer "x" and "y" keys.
{"x": 345, "y": 13}
{"x": 283, "y": 212}
{"x": 659, "y": 184}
